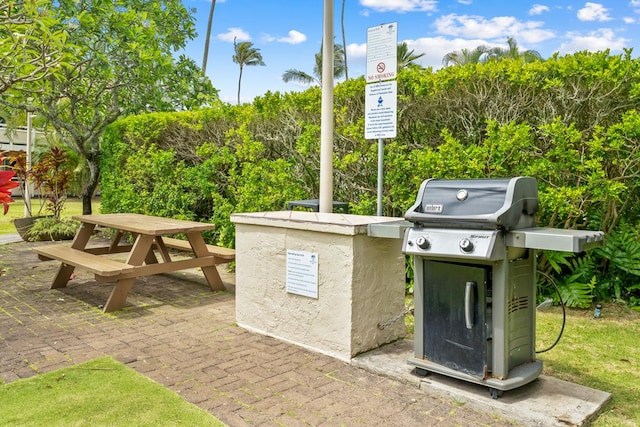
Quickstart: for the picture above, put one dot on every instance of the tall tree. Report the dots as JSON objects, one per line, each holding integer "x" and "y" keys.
{"x": 466, "y": 56}
{"x": 406, "y": 58}
{"x": 482, "y": 54}
{"x": 512, "y": 51}
{"x": 208, "y": 38}
{"x": 339, "y": 69}
{"x": 121, "y": 63}
{"x": 246, "y": 55}
{"x": 32, "y": 44}
{"x": 344, "y": 44}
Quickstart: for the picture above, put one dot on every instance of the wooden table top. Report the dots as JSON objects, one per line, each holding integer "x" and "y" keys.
{"x": 144, "y": 224}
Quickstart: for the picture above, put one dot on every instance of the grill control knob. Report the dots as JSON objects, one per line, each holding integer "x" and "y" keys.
{"x": 466, "y": 245}
{"x": 422, "y": 242}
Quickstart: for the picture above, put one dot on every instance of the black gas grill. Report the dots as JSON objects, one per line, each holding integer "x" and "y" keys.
{"x": 472, "y": 244}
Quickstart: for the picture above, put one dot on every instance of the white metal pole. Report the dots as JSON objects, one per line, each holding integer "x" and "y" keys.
{"x": 326, "y": 118}
{"x": 27, "y": 190}
{"x": 380, "y": 174}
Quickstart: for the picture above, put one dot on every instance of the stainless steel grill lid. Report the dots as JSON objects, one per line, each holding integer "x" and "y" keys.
{"x": 508, "y": 203}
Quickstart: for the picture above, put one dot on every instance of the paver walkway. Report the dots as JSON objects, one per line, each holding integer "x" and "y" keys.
{"x": 180, "y": 334}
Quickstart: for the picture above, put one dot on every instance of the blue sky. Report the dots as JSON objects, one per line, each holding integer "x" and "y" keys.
{"x": 289, "y": 32}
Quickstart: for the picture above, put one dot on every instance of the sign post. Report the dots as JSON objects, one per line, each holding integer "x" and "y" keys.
{"x": 381, "y": 99}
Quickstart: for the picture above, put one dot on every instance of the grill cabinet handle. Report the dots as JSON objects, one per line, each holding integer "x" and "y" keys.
{"x": 468, "y": 304}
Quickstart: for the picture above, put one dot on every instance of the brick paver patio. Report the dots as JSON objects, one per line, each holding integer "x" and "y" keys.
{"x": 180, "y": 334}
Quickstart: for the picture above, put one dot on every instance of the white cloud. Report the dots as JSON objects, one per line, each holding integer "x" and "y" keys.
{"x": 500, "y": 27}
{"x": 234, "y": 33}
{"x": 634, "y": 3}
{"x": 629, "y": 20}
{"x": 294, "y": 37}
{"x": 594, "y": 12}
{"x": 593, "y": 41}
{"x": 401, "y": 5}
{"x": 465, "y": 2}
{"x": 538, "y": 9}
{"x": 357, "y": 50}
{"x": 434, "y": 48}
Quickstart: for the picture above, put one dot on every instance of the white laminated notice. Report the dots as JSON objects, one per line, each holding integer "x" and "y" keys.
{"x": 302, "y": 273}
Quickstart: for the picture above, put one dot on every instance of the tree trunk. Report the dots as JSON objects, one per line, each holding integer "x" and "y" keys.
{"x": 208, "y": 38}
{"x": 239, "y": 82}
{"x": 344, "y": 45}
{"x": 93, "y": 160}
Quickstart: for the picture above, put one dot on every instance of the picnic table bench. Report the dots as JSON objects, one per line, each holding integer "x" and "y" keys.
{"x": 223, "y": 255}
{"x": 149, "y": 234}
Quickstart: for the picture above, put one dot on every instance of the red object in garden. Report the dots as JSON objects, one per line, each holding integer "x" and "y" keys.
{"x": 5, "y": 187}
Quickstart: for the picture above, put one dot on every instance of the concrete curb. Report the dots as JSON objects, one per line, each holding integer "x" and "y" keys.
{"x": 546, "y": 401}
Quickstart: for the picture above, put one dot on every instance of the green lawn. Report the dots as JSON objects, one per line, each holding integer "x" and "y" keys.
{"x": 16, "y": 210}
{"x": 102, "y": 392}
{"x": 599, "y": 353}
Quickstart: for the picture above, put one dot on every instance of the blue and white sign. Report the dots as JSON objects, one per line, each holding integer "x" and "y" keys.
{"x": 380, "y": 109}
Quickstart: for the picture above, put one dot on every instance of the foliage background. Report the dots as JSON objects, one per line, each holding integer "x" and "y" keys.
{"x": 570, "y": 122}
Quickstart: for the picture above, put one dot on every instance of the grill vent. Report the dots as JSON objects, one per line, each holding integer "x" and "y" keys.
{"x": 518, "y": 303}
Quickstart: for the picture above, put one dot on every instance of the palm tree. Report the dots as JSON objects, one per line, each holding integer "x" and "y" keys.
{"x": 339, "y": 68}
{"x": 344, "y": 44}
{"x": 513, "y": 52}
{"x": 466, "y": 56}
{"x": 247, "y": 55}
{"x": 483, "y": 54}
{"x": 407, "y": 57}
{"x": 208, "y": 37}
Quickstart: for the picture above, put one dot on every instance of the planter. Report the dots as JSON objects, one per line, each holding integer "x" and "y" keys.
{"x": 23, "y": 225}
{"x": 54, "y": 237}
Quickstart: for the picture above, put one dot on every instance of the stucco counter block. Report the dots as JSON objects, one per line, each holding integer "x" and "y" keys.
{"x": 360, "y": 281}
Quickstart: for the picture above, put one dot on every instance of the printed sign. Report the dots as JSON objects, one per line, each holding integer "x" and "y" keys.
{"x": 381, "y": 106}
{"x": 382, "y": 52}
{"x": 302, "y": 273}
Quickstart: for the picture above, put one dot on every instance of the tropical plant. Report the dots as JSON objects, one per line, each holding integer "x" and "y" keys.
{"x": 50, "y": 228}
{"x": 575, "y": 279}
{"x": 246, "y": 55}
{"x": 620, "y": 261}
{"x": 6, "y": 184}
{"x": 466, "y": 56}
{"x": 339, "y": 68}
{"x": 406, "y": 58}
{"x": 513, "y": 52}
{"x": 120, "y": 63}
{"x": 33, "y": 42}
{"x": 483, "y": 53}
{"x": 52, "y": 175}
{"x": 18, "y": 164}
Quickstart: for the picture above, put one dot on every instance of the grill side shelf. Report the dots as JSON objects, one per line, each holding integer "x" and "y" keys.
{"x": 555, "y": 239}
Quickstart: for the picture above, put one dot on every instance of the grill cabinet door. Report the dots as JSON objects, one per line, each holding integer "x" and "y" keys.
{"x": 455, "y": 334}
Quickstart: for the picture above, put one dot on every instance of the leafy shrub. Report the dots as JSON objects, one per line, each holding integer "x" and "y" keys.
{"x": 570, "y": 122}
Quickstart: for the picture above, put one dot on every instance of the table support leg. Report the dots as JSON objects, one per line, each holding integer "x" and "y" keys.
{"x": 137, "y": 256}
{"x": 210, "y": 272}
{"x": 79, "y": 242}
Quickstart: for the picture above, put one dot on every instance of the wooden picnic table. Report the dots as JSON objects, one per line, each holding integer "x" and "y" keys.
{"x": 149, "y": 233}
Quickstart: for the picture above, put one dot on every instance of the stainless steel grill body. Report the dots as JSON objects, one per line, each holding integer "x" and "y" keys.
{"x": 473, "y": 246}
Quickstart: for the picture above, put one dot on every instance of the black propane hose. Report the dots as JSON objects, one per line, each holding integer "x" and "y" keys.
{"x": 564, "y": 313}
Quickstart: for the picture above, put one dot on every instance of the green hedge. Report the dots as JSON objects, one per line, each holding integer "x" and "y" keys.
{"x": 570, "y": 122}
